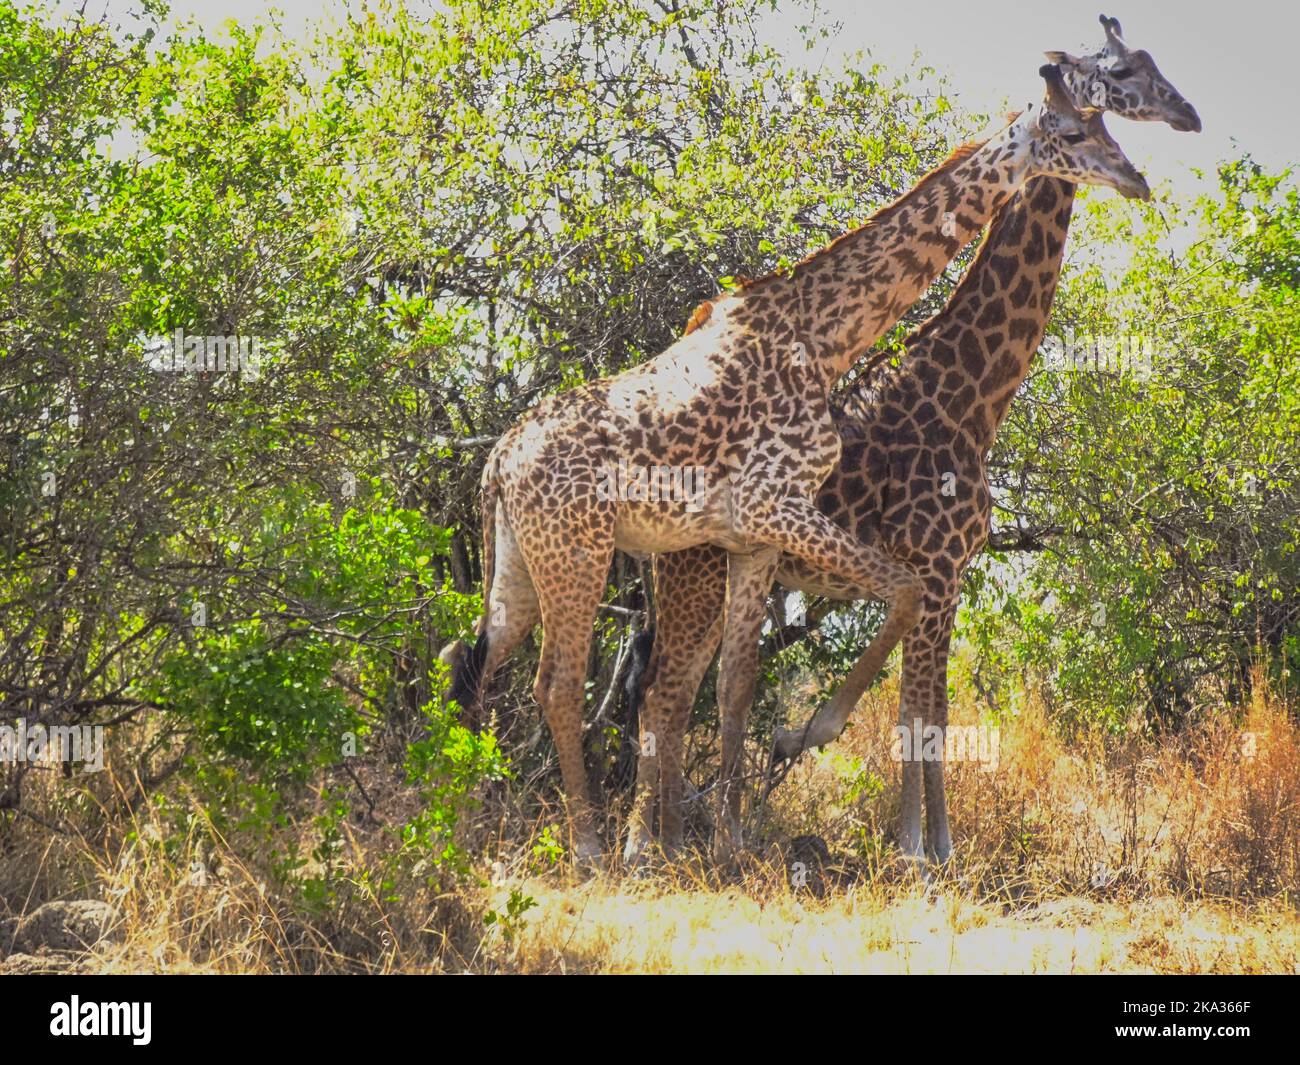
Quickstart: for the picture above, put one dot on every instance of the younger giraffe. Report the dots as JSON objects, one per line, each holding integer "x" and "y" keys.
{"x": 742, "y": 402}
{"x": 907, "y": 433}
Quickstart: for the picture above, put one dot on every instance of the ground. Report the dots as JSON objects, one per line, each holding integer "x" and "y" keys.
{"x": 1093, "y": 853}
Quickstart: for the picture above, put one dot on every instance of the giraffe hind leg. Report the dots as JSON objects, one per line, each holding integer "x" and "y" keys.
{"x": 690, "y": 587}
{"x": 570, "y": 574}
{"x": 749, "y": 580}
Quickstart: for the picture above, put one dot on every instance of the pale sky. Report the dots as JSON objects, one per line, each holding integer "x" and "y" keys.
{"x": 1234, "y": 61}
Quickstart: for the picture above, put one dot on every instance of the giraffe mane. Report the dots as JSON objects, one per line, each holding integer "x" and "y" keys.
{"x": 702, "y": 313}
{"x": 699, "y": 316}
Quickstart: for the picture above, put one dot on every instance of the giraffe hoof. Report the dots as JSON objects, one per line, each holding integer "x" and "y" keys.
{"x": 636, "y": 854}
{"x": 727, "y": 845}
{"x": 588, "y": 857}
{"x": 915, "y": 867}
{"x": 787, "y": 745}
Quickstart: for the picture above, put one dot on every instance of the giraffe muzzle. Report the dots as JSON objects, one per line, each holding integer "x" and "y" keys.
{"x": 1189, "y": 122}
{"x": 1133, "y": 186}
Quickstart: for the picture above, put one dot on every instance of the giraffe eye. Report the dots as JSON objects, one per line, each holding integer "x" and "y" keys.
{"x": 1121, "y": 72}
{"x": 1075, "y": 138}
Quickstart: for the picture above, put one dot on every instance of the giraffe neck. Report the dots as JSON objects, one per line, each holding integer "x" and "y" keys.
{"x": 971, "y": 357}
{"x": 846, "y": 296}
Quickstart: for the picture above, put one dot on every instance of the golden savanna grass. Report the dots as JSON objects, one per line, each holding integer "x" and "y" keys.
{"x": 1177, "y": 854}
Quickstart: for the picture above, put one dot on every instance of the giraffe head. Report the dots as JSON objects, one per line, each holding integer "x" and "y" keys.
{"x": 1126, "y": 81}
{"x": 1064, "y": 142}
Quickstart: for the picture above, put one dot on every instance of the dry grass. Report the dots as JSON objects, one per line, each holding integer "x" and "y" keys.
{"x": 1179, "y": 854}
{"x": 1214, "y": 812}
{"x": 618, "y": 927}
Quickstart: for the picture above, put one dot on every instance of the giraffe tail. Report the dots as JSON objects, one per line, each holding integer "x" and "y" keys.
{"x": 635, "y": 684}
{"x": 467, "y": 662}
{"x": 467, "y": 669}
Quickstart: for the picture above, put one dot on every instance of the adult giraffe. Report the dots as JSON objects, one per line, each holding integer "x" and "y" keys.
{"x": 903, "y": 431}
{"x": 743, "y": 402}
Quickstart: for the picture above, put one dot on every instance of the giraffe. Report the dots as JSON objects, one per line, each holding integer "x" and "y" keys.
{"x": 741, "y": 404}
{"x": 902, "y": 430}
{"x": 1125, "y": 81}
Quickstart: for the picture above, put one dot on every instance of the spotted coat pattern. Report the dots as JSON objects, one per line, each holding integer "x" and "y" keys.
{"x": 912, "y": 479}
{"x": 744, "y": 399}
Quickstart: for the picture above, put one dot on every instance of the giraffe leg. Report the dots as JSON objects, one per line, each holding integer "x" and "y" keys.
{"x": 690, "y": 587}
{"x": 698, "y": 579}
{"x": 923, "y": 702}
{"x": 569, "y": 594}
{"x": 831, "y": 717}
{"x": 646, "y": 792}
{"x": 927, "y": 647}
{"x": 798, "y": 527}
{"x": 811, "y": 536}
{"x": 925, "y": 658}
{"x": 909, "y": 807}
{"x": 749, "y": 579}
{"x": 671, "y": 810}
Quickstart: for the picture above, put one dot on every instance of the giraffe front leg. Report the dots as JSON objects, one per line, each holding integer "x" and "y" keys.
{"x": 829, "y": 720}
{"x": 925, "y": 656}
{"x": 800, "y": 529}
{"x": 909, "y": 802}
{"x": 749, "y": 579}
{"x": 672, "y": 809}
{"x": 927, "y": 650}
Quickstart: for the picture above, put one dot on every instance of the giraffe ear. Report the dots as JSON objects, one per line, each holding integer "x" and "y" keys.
{"x": 1062, "y": 58}
{"x": 1058, "y": 98}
